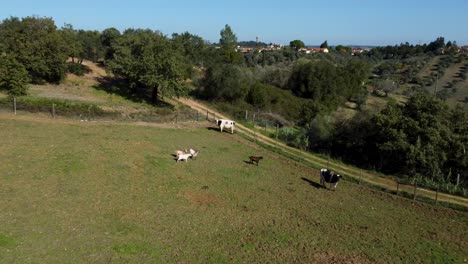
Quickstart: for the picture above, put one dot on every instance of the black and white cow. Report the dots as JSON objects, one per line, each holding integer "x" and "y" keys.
{"x": 330, "y": 177}
{"x": 224, "y": 123}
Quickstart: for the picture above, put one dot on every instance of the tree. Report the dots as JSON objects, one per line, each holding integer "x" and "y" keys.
{"x": 150, "y": 61}
{"x": 192, "y": 46}
{"x": 256, "y": 95}
{"x": 435, "y": 45}
{"x": 324, "y": 45}
{"x": 90, "y": 40}
{"x": 343, "y": 49}
{"x": 108, "y": 38}
{"x": 228, "y": 42}
{"x": 13, "y": 76}
{"x": 37, "y": 45}
{"x": 70, "y": 35}
{"x": 224, "y": 82}
{"x": 296, "y": 44}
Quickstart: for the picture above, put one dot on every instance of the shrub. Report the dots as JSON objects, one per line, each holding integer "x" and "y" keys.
{"x": 77, "y": 69}
{"x": 14, "y": 77}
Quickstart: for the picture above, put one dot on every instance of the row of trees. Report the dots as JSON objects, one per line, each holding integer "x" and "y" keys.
{"x": 422, "y": 139}
{"x": 33, "y": 49}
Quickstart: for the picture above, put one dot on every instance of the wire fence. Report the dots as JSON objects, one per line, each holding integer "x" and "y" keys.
{"x": 89, "y": 112}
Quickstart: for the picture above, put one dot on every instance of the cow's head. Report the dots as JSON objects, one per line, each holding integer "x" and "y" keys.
{"x": 218, "y": 122}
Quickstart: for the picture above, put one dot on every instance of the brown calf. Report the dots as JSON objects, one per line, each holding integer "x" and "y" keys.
{"x": 255, "y": 159}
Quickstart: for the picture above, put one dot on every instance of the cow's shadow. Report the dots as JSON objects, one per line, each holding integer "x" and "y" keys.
{"x": 312, "y": 183}
{"x": 226, "y": 130}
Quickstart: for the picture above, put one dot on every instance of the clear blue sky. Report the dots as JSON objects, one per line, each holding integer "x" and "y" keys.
{"x": 365, "y": 22}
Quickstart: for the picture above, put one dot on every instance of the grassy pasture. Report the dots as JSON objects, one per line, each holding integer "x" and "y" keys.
{"x": 89, "y": 192}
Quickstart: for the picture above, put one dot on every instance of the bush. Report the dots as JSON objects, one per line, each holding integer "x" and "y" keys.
{"x": 77, "y": 69}
{"x": 14, "y": 77}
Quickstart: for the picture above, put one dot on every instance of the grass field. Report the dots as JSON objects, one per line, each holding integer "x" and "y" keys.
{"x": 87, "y": 192}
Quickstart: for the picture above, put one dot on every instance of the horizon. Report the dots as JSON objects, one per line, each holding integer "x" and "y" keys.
{"x": 369, "y": 23}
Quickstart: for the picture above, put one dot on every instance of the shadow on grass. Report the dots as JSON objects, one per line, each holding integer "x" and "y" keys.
{"x": 122, "y": 88}
{"x": 316, "y": 185}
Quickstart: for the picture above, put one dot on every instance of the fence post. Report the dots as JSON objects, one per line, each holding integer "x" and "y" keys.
{"x": 328, "y": 161}
{"x": 14, "y": 103}
{"x": 176, "y": 115}
{"x": 397, "y": 187}
{"x": 89, "y": 113}
{"x": 53, "y": 110}
{"x": 277, "y": 132}
{"x": 214, "y": 116}
{"x": 360, "y": 175}
{"x": 414, "y": 191}
{"x": 207, "y": 115}
{"x": 246, "y": 114}
{"x": 437, "y": 194}
{"x": 197, "y": 115}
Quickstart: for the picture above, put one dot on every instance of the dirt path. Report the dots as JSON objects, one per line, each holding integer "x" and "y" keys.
{"x": 365, "y": 176}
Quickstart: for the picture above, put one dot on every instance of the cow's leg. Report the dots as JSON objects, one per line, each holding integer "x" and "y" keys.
{"x": 232, "y": 130}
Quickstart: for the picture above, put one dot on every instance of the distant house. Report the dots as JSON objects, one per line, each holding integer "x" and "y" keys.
{"x": 245, "y": 49}
{"x": 314, "y": 50}
{"x": 356, "y": 51}
{"x": 267, "y": 48}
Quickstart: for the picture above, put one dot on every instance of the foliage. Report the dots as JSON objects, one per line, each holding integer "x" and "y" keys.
{"x": 423, "y": 138}
{"x": 224, "y": 82}
{"x": 90, "y": 40}
{"x": 296, "y": 44}
{"x": 14, "y": 77}
{"x": 36, "y": 44}
{"x": 324, "y": 45}
{"x": 256, "y": 95}
{"x": 150, "y": 61}
{"x": 228, "y": 42}
{"x": 108, "y": 39}
{"x": 77, "y": 69}
{"x": 327, "y": 84}
{"x": 70, "y": 36}
{"x": 343, "y": 49}
{"x": 193, "y": 47}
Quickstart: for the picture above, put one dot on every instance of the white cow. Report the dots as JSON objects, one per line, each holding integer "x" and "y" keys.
{"x": 224, "y": 123}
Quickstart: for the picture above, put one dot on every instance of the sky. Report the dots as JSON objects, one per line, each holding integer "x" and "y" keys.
{"x": 340, "y": 22}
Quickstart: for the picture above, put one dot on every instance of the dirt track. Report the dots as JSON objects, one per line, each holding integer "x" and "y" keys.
{"x": 365, "y": 176}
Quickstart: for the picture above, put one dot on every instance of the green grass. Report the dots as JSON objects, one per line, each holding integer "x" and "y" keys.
{"x": 95, "y": 193}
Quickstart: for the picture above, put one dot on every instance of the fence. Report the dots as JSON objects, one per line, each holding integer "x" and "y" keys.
{"x": 413, "y": 190}
{"x": 87, "y": 112}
